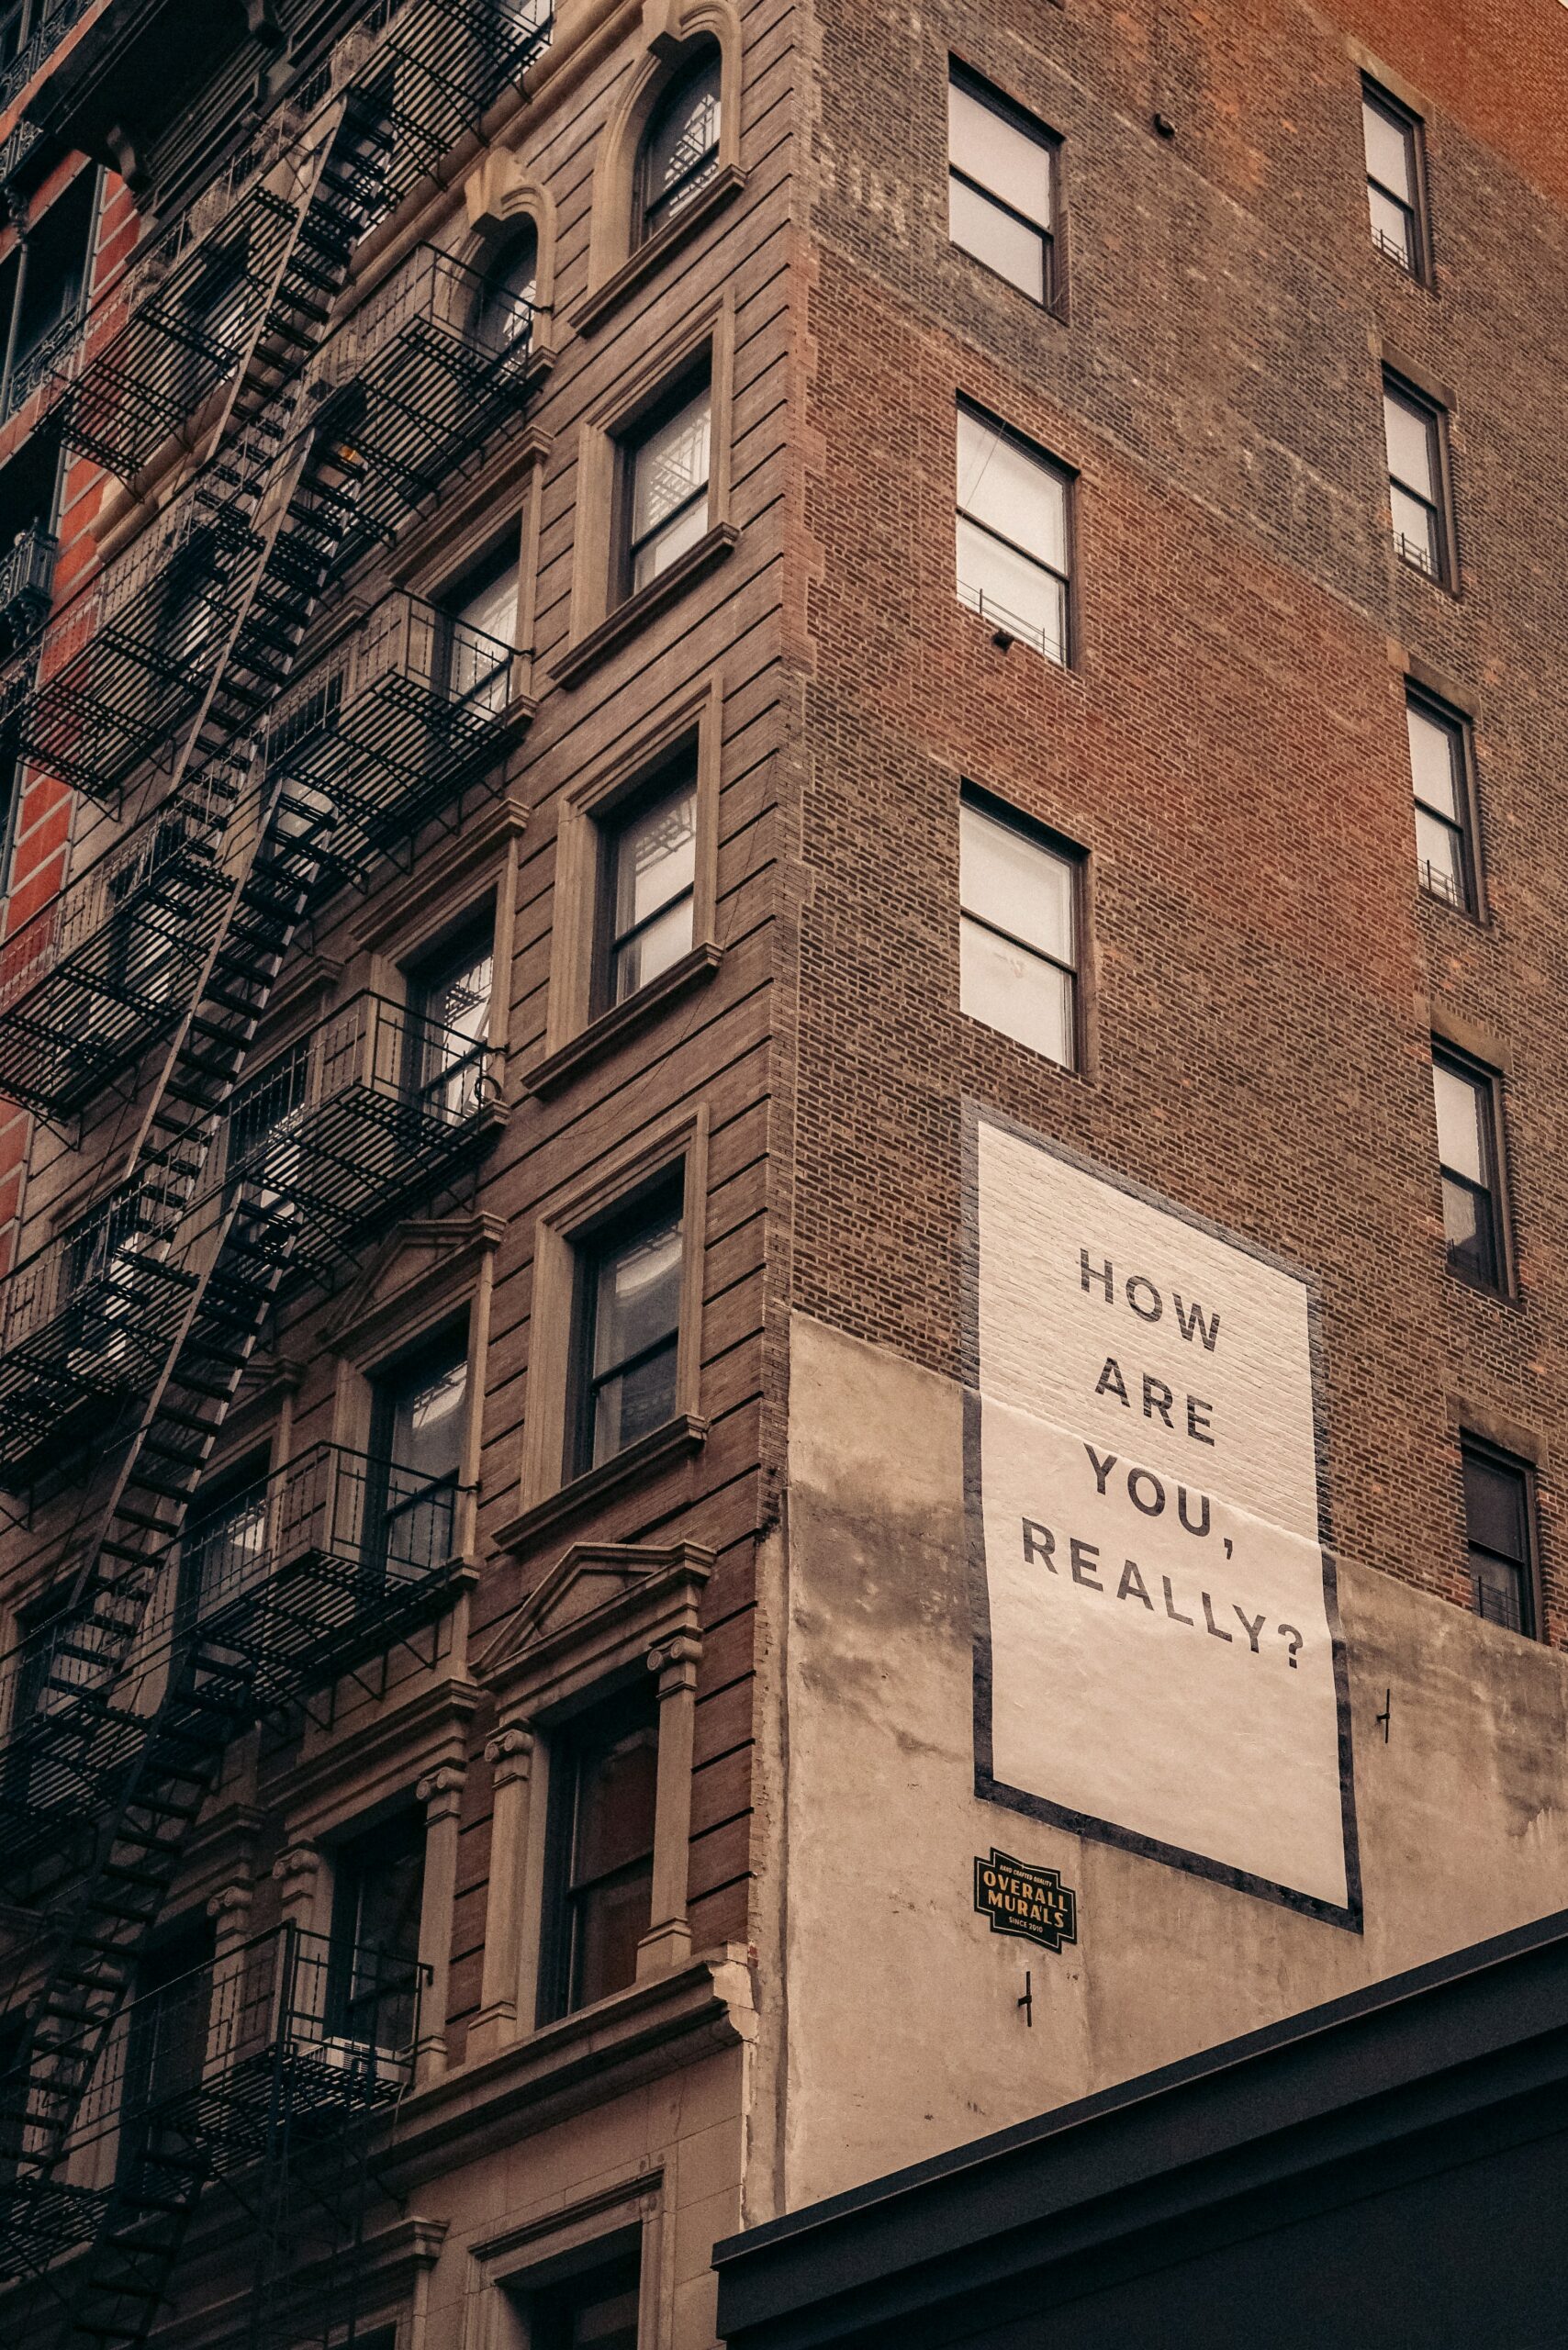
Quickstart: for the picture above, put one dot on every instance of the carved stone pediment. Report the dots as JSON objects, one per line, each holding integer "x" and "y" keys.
{"x": 601, "y": 1606}
{"x": 409, "y": 1269}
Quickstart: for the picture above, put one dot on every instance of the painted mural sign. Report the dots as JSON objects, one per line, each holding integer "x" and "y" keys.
{"x": 1157, "y": 1648}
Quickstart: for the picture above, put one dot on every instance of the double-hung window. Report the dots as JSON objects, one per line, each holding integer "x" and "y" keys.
{"x": 1499, "y": 1528}
{"x": 627, "y": 1329}
{"x": 667, "y": 466}
{"x": 449, "y": 1025}
{"x": 1413, "y": 429}
{"x": 1440, "y": 776}
{"x": 1001, "y": 168}
{"x": 1018, "y": 931}
{"x": 1391, "y": 135}
{"x": 649, "y": 877}
{"x": 419, "y": 1418}
{"x": 600, "y": 1859}
{"x": 1014, "y": 554}
{"x": 373, "y": 1962}
{"x": 680, "y": 154}
{"x": 1470, "y": 1160}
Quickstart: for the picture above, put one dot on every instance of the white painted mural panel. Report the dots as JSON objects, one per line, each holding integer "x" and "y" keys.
{"x": 1158, "y": 1658}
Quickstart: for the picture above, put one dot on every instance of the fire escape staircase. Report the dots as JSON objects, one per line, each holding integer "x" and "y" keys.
{"x": 291, "y": 487}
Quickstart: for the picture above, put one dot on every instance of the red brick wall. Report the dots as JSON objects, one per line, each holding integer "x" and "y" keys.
{"x": 1230, "y": 744}
{"x": 44, "y": 818}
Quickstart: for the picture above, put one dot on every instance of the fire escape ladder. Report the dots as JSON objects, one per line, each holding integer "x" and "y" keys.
{"x": 234, "y": 1256}
{"x": 175, "y": 1705}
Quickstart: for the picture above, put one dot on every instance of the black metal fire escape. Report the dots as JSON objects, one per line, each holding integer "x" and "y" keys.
{"x": 165, "y": 1292}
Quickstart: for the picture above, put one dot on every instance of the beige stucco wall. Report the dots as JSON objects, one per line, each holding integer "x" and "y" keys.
{"x": 901, "y": 2035}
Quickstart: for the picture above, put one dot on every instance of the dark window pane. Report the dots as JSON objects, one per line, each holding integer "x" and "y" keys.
{"x": 613, "y": 1847}
{"x": 1499, "y": 1530}
{"x": 681, "y": 150}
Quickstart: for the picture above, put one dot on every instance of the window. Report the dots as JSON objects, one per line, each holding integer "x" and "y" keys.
{"x": 504, "y": 309}
{"x": 47, "y": 289}
{"x": 449, "y": 1025}
{"x": 1018, "y": 931}
{"x": 1012, "y": 534}
{"x": 667, "y": 468}
{"x": 627, "y": 1330}
{"x": 597, "y": 2312}
{"x": 600, "y": 1854}
{"x": 680, "y": 154}
{"x": 377, "y": 1892}
{"x": 226, "y": 1549}
{"x": 1001, "y": 184}
{"x": 649, "y": 867}
{"x": 418, "y": 1422}
{"x": 1499, "y": 1529}
{"x": 1413, "y": 429}
{"x": 165, "y": 2030}
{"x": 1468, "y": 1154}
{"x": 478, "y": 621}
{"x": 1441, "y": 776}
{"x": 1392, "y": 138}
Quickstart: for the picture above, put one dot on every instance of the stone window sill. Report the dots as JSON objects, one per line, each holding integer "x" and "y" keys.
{"x": 573, "y": 665}
{"x": 601, "y": 1036}
{"x": 687, "y": 1432}
{"x": 595, "y": 307}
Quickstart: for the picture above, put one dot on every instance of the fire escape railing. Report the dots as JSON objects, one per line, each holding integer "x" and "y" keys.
{"x": 85, "y": 1323}
{"x": 165, "y": 1288}
{"x": 128, "y": 660}
{"x": 340, "y": 1133}
{"x": 326, "y": 1144}
{"x": 27, "y": 581}
{"x": 103, "y": 969}
{"x": 428, "y": 366}
{"x": 262, "y": 1603}
{"x": 384, "y": 730}
{"x": 289, "y": 2034}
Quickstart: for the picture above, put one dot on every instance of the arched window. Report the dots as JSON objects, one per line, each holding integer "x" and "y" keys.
{"x": 505, "y": 311}
{"x": 680, "y": 154}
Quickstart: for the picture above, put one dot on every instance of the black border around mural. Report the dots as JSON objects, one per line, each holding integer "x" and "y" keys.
{"x": 987, "y": 1787}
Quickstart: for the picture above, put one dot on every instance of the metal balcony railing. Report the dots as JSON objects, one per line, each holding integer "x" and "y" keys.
{"x": 284, "y": 2042}
{"x": 337, "y": 1135}
{"x": 109, "y": 965}
{"x": 425, "y": 371}
{"x": 49, "y": 29}
{"x": 38, "y": 366}
{"x": 391, "y": 725}
{"x": 421, "y": 73}
{"x": 129, "y": 659}
{"x": 27, "y": 582}
{"x": 85, "y": 1323}
{"x": 265, "y": 1599}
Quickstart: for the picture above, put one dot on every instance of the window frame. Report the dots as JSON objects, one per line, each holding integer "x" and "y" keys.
{"x": 1444, "y": 571}
{"x": 678, "y": 776}
{"x": 630, "y": 444}
{"x": 645, "y": 229}
{"x": 633, "y": 1704}
{"x": 1068, "y": 476}
{"x": 548, "y": 1494}
{"x": 1075, "y": 857}
{"x": 1412, "y": 126}
{"x": 1460, "y": 727}
{"x": 592, "y": 1244}
{"x": 1031, "y": 127}
{"x": 577, "y": 1028}
{"x": 1496, "y": 1456}
{"x": 1487, "y": 1082}
{"x": 603, "y": 615}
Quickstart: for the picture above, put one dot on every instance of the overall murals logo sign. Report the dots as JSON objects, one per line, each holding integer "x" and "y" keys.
{"x": 1022, "y": 1899}
{"x": 1158, "y": 1662}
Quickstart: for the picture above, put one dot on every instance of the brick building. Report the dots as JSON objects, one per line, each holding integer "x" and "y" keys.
{"x": 727, "y": 720}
